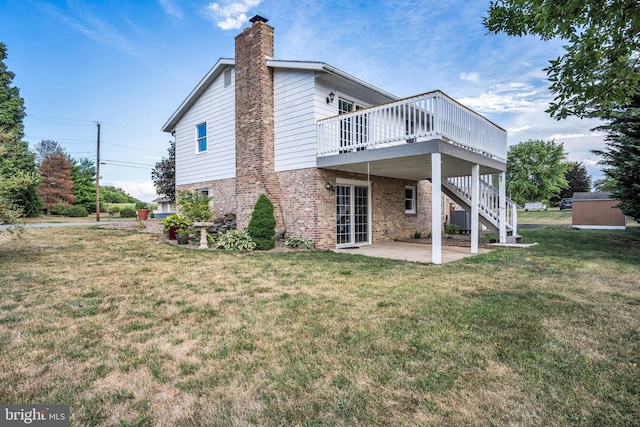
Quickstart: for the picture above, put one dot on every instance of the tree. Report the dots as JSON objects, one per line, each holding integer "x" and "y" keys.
{"x": 83, "y": 175}
{"x": 194, "y": 205}
{"x": 15, "y": 184}
{"x": 578, "y": 180}
{"x": 606, "y": 184}
{"x": 599, "y": 69}
{"x": 262, "y": 225}
{"x": 46, "y": 148}
{"x": 12, "y": 109}
{"x": 535, "y": 170}
{"x": 16, "y": 159}
{"x": 56, "y": 185}
{"x": 18, "y": 177}
{"x": 111, "y": 194}
{"x": 164, "y": 174}
{"x": 622, "y": 156}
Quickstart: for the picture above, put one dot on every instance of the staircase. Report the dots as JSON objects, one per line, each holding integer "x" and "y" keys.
{"x": 459, "y": 190}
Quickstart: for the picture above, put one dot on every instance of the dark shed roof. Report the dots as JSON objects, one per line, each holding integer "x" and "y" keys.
{"x": 598, "y": 195}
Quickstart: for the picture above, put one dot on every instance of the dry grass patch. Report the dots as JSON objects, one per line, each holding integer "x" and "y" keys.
{"x": 131, "y": 331}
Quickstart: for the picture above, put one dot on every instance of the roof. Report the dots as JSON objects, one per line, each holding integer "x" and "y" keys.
{"x": 330, "y": 74}
{"x": 214, "y": 72}
{"x": 161, "y": 199}
{"x": 598, "y": 195}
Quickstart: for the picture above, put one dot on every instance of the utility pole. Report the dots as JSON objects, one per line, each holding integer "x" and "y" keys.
{"x": 98, "y": 176}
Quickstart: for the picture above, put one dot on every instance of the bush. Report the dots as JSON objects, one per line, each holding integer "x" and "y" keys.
{"x": 58, "y": 209}
{"x": 262, "y": 226}
{"x": 417, "y": 235}
{"x": 452, "y": 229}
{"x": 115, "y": 210}
{"x": 299, "y": 242}
{"x": 195, "y": 205}
{"x": 77, "y": 212}
{"x": 127, "y": 213}
{"x": 236, "y": 241}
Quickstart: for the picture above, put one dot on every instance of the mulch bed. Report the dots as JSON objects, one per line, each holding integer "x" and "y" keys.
{"x": 460, "y": 240}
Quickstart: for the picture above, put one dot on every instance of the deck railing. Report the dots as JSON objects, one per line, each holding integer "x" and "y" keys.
{"x": 489, "y": 205}
{"x": 427, "y": 116}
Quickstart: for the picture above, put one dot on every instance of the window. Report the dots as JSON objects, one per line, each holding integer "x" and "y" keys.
{"x": 204, "y": 191}
{"x": 410, "y": 199}
{"x": 201, "y": 137}
{"x": 352, "y": 131}
{"x": 227, "y": 78}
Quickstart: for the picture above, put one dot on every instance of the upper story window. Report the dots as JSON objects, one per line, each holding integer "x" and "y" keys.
{"x": 410, "y": 199}
{"x": 227, "y": 78}
{"x": 352, "y": 132}
{"x": 201, "y": 137}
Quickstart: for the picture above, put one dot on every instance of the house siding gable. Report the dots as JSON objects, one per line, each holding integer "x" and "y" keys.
{"x": 216, "y": 107}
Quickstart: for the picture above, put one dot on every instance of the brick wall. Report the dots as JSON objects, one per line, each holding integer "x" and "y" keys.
{"x": 311, "y": 208}
{"x": 255, "y": 124}
{"x": 222, "y": 191}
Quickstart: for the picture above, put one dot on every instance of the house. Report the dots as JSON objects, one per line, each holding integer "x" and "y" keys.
{"x": 344, "y": 162}
{"x": 597, "y": 210}
{"x": 165, "y": 207}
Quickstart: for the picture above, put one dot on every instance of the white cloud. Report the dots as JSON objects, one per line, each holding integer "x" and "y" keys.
{"x": 472, "y": 77}
{"x": 171, "y": 8}
{"x": 231, "y": 15}
{"x": 144, "y": 191}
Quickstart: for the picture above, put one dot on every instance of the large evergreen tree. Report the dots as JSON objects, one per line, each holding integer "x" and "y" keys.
{"x": 83, "y": 175}
{"x": 535, "y": 170}
{"x": 599, "y": 69}
{"x": 18, "y": 178}
{"x": 622, "y": 156}
{"x": 12, "y": 109}
{"x": 164, "y": 174}
{"x": 578, "y": 180}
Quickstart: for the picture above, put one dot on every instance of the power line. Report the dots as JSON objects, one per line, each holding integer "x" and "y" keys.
{"x": 130, "y": 163}
{"x": 127, "y": 166}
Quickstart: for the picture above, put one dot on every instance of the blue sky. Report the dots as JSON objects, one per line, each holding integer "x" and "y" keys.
{"x": 129, "y": 65}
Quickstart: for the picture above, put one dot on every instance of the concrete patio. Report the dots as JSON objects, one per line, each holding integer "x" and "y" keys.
{"x": 410, "y": 252}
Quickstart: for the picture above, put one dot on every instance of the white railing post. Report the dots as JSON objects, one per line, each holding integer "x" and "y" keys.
{"x": 436, "y": 209}
{"x": 475, "y": 203}
{"x": 502, "y": 204}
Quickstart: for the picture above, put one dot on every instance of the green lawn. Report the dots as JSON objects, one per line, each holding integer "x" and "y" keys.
{"x": 131, "y": 331}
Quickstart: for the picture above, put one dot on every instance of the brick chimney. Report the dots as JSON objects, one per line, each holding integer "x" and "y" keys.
{"x": 255, "y": 173}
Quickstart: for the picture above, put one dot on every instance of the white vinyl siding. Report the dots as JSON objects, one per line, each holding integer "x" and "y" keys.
{"x": 216, "y": 108}
{"x": 294, "y": 120}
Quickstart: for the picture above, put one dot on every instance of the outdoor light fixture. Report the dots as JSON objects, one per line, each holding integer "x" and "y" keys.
{"x": 330, "y": 97}
{"x": 329, "y": 186}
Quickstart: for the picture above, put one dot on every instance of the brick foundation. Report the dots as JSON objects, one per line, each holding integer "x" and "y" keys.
{"x": 223, "y": 193}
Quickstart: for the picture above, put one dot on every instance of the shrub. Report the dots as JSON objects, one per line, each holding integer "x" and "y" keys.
{"x": 127, "y": 213}
{"x": 262, "y": 226}
{"x": 195, "y": 205}
{"x": 299, "y": 242}
{"x": 115, "y": 210}
{"x": 452, "y": 229}
{"x": 417, "y": 235}
{"x": 175, "y": 220}
{"x": 58, "y": 209}
{"x": 77, "y": 212}
{"x": 236, "y": 241}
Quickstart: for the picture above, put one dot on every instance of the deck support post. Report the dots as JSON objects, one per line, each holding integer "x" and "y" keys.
{"x": 436, "y": 208}
{"x": 502, "y": 206}
{"x": 475, "y": 203}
